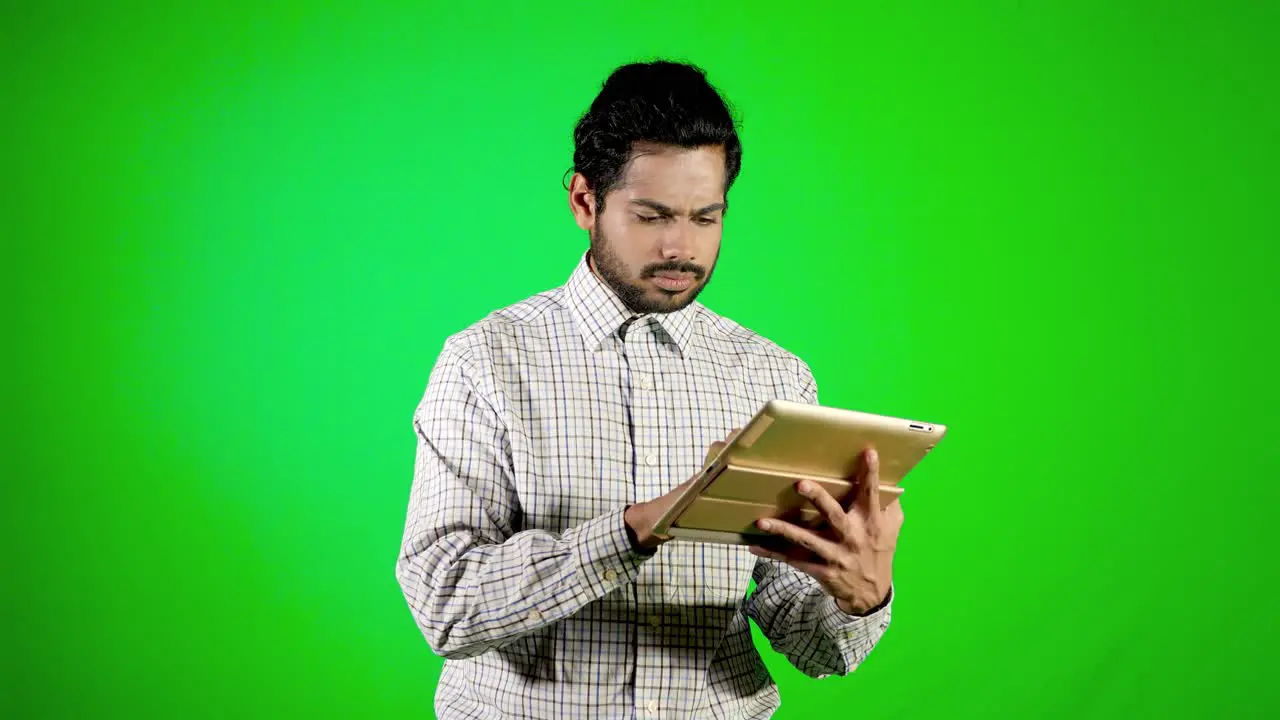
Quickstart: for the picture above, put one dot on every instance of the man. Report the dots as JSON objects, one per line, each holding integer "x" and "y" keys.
{"x": 554, "y": 432}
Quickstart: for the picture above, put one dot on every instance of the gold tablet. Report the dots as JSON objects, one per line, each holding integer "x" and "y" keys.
{"x": 754, "y": 476}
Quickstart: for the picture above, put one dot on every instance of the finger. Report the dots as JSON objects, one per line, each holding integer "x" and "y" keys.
{"x": 719, "y": 445}
{"x": 827, "y": 505}
{"x": 817, "y": 570}
{"x": 891, "y": 517}
{"x": 811, "y": 541}
{"x": 869, "y": 491}
{"x": 712, "y": 451}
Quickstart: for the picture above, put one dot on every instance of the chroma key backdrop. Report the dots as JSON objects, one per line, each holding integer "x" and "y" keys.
{"x": 237, "y": 235}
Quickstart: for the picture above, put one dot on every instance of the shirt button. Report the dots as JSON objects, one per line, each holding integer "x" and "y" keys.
{"x": 654, "y": 620}
{"x": 653, "y": 706}
{"x": 651, "y": 460}
{"x": 535, "y": 616}
{"x": 646, "y": 383}
{"x": 610, "y": 576}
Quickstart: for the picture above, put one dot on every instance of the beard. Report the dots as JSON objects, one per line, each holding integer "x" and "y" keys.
{"x": 640, "y": 297}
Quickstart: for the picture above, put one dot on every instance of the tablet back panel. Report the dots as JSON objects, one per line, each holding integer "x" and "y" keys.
{"x": 755, "y": 476}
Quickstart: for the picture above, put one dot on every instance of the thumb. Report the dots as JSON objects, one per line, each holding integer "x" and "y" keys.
{"x": 715, "y": 447}
{"x": 712, "y": 451}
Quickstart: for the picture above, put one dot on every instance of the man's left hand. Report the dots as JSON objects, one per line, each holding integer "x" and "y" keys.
{"x": 851, "y": 555}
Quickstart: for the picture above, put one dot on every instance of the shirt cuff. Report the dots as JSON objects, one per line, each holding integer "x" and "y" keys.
{"x": 845, "y": 628}
{"x": 606, "y": 558}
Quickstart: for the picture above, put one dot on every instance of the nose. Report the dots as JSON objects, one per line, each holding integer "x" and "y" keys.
{"x": 677, "y": 243}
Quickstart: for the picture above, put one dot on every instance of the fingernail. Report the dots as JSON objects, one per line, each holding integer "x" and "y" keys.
{"x": 805, "y": 488}
{"x": 766, "y": 525}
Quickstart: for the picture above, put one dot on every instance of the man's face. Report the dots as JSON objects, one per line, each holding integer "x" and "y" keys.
{"x": 658, "y": 238}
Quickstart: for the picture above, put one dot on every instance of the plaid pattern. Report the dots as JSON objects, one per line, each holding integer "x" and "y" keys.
{"x": 539, "y": 425}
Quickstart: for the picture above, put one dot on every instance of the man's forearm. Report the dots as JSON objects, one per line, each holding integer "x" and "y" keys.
{"x": 808, "y": 627}
{"x": 469, "y": 596}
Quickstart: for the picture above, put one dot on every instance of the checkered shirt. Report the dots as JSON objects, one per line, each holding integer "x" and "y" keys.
{"x": 539, "y": 425}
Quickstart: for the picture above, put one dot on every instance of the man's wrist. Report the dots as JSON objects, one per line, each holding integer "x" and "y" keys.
{"x": 849, "y": 608}
{"x": 629, "y": 518}
{"x": 631, "y": 531}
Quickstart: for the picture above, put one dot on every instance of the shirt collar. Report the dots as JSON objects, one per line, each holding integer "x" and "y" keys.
{"x": 599, "y": 312}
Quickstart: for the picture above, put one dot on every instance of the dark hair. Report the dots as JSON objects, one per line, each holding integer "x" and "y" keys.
{"x": 660, "y": 102}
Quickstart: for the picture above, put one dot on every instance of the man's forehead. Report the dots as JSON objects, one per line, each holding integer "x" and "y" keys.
{"x": 650, "y": 159}
{"x": 693, "y": 177}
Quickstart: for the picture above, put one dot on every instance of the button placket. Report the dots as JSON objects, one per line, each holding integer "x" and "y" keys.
{"x": 651, "y": 473}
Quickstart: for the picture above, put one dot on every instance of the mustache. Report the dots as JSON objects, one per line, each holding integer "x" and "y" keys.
{"x": 697, "y": 271}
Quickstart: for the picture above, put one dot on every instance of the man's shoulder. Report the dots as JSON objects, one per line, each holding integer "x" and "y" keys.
{"x": 725, "y": 333}
{"x": 724, "y": 336}
{"x": 540, "y": 313}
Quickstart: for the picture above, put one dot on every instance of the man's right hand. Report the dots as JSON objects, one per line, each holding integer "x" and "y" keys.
{"x": 641, "y": 517}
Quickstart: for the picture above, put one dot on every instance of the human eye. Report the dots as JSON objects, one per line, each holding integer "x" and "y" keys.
{"x": 650, "y": 219}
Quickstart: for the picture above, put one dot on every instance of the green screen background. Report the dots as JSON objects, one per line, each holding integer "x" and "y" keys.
{"x": 237, "y": 235}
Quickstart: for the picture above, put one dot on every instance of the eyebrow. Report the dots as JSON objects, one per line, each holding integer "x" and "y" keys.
{"x": 659, "y": 207}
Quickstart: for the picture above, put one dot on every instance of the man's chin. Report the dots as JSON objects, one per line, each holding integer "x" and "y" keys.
{"x": 644, "y": 297}
{"x": 668, "y": 301}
